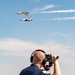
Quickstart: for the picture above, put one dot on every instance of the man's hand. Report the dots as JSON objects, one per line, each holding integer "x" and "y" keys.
{"x": 55, "y": 58}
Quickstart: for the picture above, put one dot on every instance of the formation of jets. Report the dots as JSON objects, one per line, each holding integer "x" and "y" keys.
{"x": 25, "y": 13}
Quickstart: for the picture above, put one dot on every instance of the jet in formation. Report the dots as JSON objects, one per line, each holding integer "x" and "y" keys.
{"x": 25, "y": 13}
{"x": 27, "y": 19}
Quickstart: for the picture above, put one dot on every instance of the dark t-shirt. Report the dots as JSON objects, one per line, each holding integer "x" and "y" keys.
{"x": 32, "y": 70}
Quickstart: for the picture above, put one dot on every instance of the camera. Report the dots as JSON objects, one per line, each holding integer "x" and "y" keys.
{"x": 49, "y": 59}
{"x": 47, "y": 62}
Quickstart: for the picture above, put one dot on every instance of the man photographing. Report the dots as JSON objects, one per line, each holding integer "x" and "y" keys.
{"x": 38, "y": 58}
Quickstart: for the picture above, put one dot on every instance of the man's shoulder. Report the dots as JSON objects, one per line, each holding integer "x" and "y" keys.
{"x": 30, "y": 70}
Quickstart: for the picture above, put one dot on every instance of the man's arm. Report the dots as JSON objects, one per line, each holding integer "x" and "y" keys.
{"x": 57, "y": 70}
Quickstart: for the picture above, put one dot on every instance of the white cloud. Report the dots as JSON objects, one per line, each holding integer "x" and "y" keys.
{"x": 61, "y": 18}
{"x": 42, "y": 8}
{"x": 57, "y": 11}
{"x": 10, "y": 46}
{"x": 64, "y": 18}
{"x": 47, "y": 7}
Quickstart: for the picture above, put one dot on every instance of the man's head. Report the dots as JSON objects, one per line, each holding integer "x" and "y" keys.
{"x": 37, "y": 56}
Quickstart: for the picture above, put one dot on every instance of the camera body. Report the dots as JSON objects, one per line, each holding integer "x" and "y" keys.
{"x": 48, "y": 59}
{"x": 47, "y": 62}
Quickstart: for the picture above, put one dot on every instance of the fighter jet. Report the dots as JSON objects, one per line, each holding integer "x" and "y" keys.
{"x": 26, "y": 13}
{"x": 28, "y": 19}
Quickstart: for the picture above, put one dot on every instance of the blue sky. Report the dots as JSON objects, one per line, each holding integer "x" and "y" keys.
{"x": 52, "y": 29}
